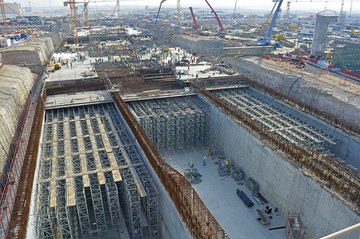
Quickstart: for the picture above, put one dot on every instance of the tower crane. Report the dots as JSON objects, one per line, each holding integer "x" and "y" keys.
{"x": 196, "y": 26}
{"x": 85, "y": 13}
{"x": 117, "y": 9}
{"x": 73, "y": 19}
{"x": 325, "y": 1}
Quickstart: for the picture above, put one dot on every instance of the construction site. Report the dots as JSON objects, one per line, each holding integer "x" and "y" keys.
{"x": 173, "y": 121}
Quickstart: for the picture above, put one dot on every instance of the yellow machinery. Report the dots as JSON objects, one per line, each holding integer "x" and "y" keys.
{"x": 57, "y": 66}
{"x": 293, "y": 26}
{"x": 26, "y": 31}
{"x": 281, "y": 38}
{"x": 356, "y": 34}
{"x": 50, "y": 67}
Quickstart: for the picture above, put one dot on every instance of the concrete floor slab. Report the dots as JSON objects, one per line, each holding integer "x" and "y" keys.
{"x": 219, "y": 194}
{"x": 75, "y": 69}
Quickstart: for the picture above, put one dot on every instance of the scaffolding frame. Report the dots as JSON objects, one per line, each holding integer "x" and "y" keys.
{"x": 89, "y": 162}
{"x": 173, "y": 124}
{"x": 294, "y": 227}
{"x": 276, "y": 118}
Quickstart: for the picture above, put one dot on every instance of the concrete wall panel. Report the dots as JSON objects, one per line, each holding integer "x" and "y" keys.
{"x": 282, "y": 183}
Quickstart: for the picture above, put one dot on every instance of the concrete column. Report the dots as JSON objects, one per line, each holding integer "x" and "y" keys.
{"x": 323, "y": 19}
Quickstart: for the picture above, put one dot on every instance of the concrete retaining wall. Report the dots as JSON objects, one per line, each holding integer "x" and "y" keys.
{"x": 248, "y": 50}
{"x": 283, "y": 184}
{"x": 15, "y": 85}
{"x": 33, "y": 53}
{"x": 207, "y": 47}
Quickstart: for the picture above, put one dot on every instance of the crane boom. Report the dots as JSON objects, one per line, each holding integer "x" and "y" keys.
{"x": 268, "y": 21}
{"x": 236, "y": 2}
{"x": 274, "y": 18}
{"x": 216, "y": 16}
{"x": 157, "y": 15}
{"x": 196, "y": 26}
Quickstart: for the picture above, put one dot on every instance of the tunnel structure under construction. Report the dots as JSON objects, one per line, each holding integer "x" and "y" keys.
{"x": 116, "y": 166}
{"x": 93, "y": 181}
{"x": 192, "y": 127}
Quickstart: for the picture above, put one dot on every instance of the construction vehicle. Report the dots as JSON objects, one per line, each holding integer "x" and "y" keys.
{"x": 266, "y": 40}
{"x": 57, "y": 66}
{"x": 280, "y": 38}
{"x": 50, "y": 67}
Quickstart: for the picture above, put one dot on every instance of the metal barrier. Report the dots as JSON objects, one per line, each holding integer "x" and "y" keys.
{"x": 20, "y": 214}
{"x": 19, "y": 155}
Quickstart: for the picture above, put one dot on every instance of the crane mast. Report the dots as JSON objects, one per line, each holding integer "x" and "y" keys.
{"x": 73, "y": 18}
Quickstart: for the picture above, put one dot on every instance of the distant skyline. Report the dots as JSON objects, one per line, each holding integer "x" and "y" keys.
{"x": 261, "y": 5}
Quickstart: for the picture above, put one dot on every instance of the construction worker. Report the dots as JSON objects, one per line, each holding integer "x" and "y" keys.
{"x": 227, "y": 163}
{"x": 204, "y": 161}
{"x": 191, "y": 164}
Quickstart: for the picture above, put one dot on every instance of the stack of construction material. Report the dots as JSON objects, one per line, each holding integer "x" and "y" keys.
{"x": 238, "y": 174}
{"x": 15, "y": 85}
{"x": 193, "y": 175}
{"x": 252, "y": 185}
{"x": 224, "y": 166}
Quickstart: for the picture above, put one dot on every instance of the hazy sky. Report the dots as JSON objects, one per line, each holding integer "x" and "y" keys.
{"x": 242, "y": 4}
